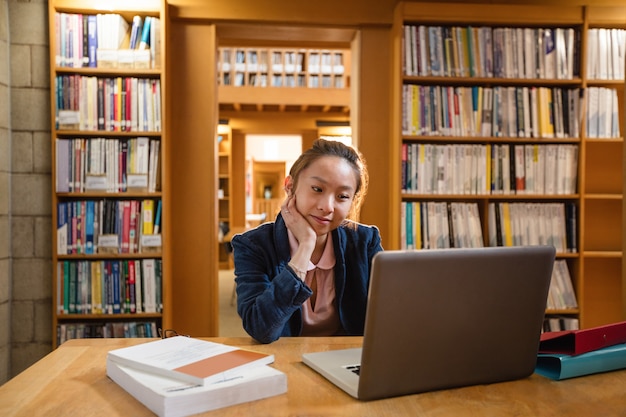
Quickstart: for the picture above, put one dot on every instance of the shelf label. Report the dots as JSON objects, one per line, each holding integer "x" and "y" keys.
{"x": 137, "y": 180}
{"x": 96, "y": 183}
{"x": 151, "y": 241}
{"x": 69, "y": 119}
{"x": 62, "y": 240}
{"x": 107, "y": 241}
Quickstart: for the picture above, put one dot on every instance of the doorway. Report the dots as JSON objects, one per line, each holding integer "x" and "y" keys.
{"x": 268, "y": 160}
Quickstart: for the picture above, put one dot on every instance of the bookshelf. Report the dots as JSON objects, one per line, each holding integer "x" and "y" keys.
{"x": 109, "y": 157}
{"x": 283, "y": 67}
{"x": 490, "y": 116}
{"x": 284, "y": 78}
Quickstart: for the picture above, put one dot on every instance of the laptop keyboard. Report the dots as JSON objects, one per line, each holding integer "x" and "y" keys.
{"x": 354, "y": 368}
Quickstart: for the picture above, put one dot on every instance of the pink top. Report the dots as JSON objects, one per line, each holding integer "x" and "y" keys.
{"x": 320, "y": 319}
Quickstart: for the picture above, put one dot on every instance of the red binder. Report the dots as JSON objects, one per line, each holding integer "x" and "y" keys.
{"x": 575, "y": 342}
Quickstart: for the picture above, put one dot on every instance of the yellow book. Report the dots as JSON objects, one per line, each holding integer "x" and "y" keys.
{"x": 96, "y": 287}
{"x": 546, "y": 126}
{"x": 507, "y": 239}
{"x": 415, "y": 103}
{"x": 147, "y": 217}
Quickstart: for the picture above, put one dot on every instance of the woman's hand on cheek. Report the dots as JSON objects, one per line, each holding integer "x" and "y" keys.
{"x": 296, "y": 222}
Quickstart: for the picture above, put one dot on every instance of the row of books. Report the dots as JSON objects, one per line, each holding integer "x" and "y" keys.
{"x": 277, "y": 61}
{"x": 560, "y": 323}
{"x": 524, "y": 224}
{"x": 431, "y": 225}
{"x": 112, "y": 286}
{"x": 602, "y": 113}
{"x": 106, "y": 40}
{"x": 524, "y": 112}
{"x": 501, "y": 52}
{"x": 287, "y": 80}
{"x": 606, "y": 53}
{"x": 108, "y": 226}
{"x": 107, "y": 165}
{"x": 472, "y": 169}
{"x": 111, "y": 329}
{"x": 561, "y": 295}
{"x": 119, "y": 104}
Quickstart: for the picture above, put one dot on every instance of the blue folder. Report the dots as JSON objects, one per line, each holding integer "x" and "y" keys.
{"x": 559, "y": 366}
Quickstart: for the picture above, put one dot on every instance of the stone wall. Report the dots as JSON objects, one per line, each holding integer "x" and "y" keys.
{"x": 30, "y": 184}
{"x": 5, "y": 178}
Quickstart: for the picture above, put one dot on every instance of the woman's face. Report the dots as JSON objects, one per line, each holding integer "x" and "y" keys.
{"x": 325, "y": 191}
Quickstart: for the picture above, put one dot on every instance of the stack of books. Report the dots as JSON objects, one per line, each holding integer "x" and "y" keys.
{"x": 573, "y": 353}
{"x": 181, "y": 376}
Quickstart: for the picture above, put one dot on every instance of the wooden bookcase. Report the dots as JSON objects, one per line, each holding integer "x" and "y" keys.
{"x": 103, "y": 251}
{"x": 595, "y": 262}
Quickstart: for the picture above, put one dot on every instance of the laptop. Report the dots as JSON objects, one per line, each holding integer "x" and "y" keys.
{"x": 446, "y": 318}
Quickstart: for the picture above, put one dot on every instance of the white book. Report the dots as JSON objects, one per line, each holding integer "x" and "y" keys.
{"x": 529, "y": 53}
{"x": 148, "y": 274}
{"x": 424, "y": 51}
{"x": 614, "y": 126}
{"x": 170, "y": 398}
{"x": 603, "y": 105}
{"x": 550, "y": 55}
{"x": 561, "y": 54}
{"x": 407, "y": 50}
{"x": 592, "y": 54}
{"x": 475, "y": 229}
{"x": 505, "y": 155}
{"x": 603, "y": 54}
{"x": 468, "y": 164}
{"x": 188, "y": 359}
{"x": 569, "y": 52}
{"x": 551, "y": 168}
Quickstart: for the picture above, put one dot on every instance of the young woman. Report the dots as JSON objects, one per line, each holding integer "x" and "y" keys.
{"x": 307, "y": 273}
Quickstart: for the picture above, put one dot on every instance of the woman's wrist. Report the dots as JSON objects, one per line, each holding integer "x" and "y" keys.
{"x": 300, "y": 273}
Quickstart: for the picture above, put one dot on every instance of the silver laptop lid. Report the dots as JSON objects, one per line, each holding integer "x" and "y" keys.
{"x": 453, "y": 317}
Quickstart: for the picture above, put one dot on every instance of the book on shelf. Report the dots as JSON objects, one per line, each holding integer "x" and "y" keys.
{"x": 429, "y": 225}
{"x": 106, "y": 226}
{"x": 172, "y": 398}
{"x": 502, "y": 52}
{"x": 190, "y": 360}
{"x": 114, "y": 104}
{"x": 560, "y": 366}
{"x": 109, "y": 286}
{"x": 521, "y": 224}
{"x": 561, "y": 295}
{"x": 557, "y": 323}
{"x": 116, "y": 329}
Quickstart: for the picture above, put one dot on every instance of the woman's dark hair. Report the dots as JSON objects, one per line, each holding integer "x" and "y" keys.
{"x": 323, "y": 147}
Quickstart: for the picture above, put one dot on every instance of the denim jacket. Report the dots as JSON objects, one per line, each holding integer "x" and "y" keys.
{"x": 270, "y": 295}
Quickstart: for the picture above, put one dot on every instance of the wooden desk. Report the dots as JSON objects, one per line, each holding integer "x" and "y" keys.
{"x": 72, "y": 381}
